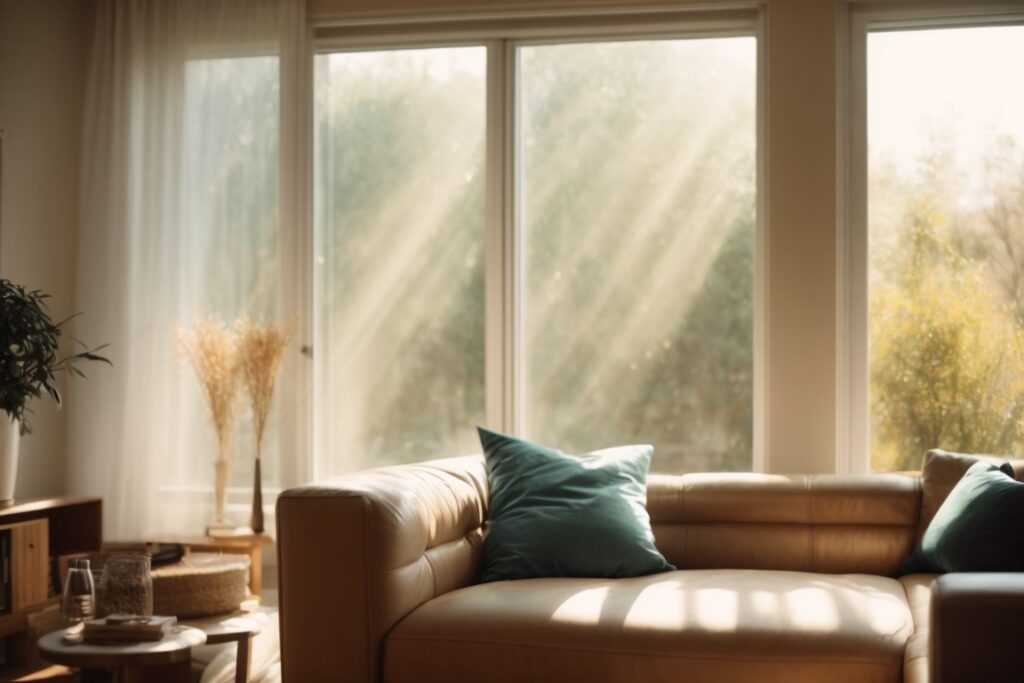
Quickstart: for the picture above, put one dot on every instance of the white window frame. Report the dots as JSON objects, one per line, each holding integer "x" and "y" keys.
{"x": 853, "y": 416}
{"x": 502, "y": 35}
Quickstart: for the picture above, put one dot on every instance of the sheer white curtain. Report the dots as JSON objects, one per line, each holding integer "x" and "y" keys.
{"x": 187, "y": 180}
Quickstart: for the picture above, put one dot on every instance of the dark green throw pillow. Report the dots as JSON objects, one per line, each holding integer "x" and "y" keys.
{"x": 553, "y": 514}
{"x": 979, "y": 527}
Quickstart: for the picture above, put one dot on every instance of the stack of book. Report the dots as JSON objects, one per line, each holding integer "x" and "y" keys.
{"x": 125, "y": 627}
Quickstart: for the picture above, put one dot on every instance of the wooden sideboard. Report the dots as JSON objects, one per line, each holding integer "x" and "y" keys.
{"x": 42, "y": 530}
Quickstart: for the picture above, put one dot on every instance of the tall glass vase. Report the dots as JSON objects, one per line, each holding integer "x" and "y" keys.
{"x": 221, "y": 472}
{"x": 257, "y": 501}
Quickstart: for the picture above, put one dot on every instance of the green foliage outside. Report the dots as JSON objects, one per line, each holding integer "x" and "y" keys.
{"x": 401, "y": 225}
{"x": 946, "y": 323}
{"x": 639, "y": 319}
{"x": 638, "y": 222}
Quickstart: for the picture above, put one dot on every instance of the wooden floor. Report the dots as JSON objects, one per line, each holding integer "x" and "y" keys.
{"x": 40, "y": 672}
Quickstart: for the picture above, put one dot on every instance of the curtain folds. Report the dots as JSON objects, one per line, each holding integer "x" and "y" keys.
{"x": 156, "y": 235}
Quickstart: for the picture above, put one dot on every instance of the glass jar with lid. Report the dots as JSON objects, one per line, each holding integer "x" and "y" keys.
{"x": 126, "y": 587}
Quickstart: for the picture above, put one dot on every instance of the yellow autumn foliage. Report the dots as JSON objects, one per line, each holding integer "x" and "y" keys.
{"x": 947, "y": 357}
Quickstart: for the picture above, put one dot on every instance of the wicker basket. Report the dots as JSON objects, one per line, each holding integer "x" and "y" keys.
{"x": 201, "y": 585}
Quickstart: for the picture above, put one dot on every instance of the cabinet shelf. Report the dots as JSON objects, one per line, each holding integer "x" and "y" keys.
{"x": 42, "y": 530}
{"x": 76, "y": 523}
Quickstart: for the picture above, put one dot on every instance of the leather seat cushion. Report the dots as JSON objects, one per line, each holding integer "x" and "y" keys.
{"x": 704, "y": 625}
{"x": 919, "y": 595}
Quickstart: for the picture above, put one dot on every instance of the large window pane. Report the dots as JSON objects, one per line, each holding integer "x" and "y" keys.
{"x": 638, "y": 195}
{"x": 946, "y": 236}
{"x": 400, "y": 199}
{"x": 228, "y": 240}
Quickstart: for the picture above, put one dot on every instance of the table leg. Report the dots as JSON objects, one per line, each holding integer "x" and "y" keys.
{"x": 96, "y": 675}
{"x": 243, "y": 662}
{"x": 256, "y": 569}
{"x": 179, "y": 672}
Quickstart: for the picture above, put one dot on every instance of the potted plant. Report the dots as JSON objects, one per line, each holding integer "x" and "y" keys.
{"x": 29, "y": 365}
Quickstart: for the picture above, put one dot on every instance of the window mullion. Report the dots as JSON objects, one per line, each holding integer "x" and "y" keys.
{"x": 852, "y": 448}
{"x": 296, "y": 149}
{"x": 499, "y": 330}
{"x": 513, "y": 240}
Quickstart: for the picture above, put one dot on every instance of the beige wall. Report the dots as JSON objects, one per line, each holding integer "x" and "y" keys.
{"x": 42, "y": 67}
{"x": 323, "y": 10}
{"x": 800, "y": 202}
{"x": 801, "y": 234}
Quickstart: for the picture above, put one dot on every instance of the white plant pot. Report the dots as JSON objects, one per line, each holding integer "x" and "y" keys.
{"x": 10, "y": 438}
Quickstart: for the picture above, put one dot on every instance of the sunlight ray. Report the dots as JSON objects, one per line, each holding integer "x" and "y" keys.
{"x": 400, "y": 259}
{"x": 642, "y": 228}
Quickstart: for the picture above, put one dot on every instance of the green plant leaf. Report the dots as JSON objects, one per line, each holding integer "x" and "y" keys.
{"x": 29, "y": 346}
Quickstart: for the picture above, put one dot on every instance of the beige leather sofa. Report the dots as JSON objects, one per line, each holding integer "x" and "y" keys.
{"x": 781, "y": 579}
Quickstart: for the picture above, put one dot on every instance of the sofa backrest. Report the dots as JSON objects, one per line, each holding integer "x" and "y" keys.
{"x": 358, "y": 553}
{"x": 940, "y": 472}
{"x": 820, "y": 523}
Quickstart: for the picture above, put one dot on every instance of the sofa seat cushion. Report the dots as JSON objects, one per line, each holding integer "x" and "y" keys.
{"x": 919, "y": 596}
{"x": 697, "y": 626}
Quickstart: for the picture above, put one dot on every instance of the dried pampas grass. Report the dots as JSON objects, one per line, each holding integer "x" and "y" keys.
{"x": 220, "y": 356}
{"x": 213, "y": 351}
{"x": 261, "y": 349}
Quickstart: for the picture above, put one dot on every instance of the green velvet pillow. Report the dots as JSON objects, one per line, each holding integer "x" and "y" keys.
{"x": 979, "y": 527}
{"x": 553, "y": 514}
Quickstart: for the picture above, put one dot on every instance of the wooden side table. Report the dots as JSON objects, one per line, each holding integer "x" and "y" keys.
{"x": 239, "y": 627}
{"x": 168, "y": 658}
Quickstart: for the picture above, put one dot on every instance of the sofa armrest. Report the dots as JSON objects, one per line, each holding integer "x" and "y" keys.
{"x": 977, "y": 623}
{"x": 359, "y": 553}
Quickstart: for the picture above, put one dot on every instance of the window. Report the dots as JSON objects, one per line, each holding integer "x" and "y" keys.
{"x": 400, "y": 226}
{"x": 554, "y": 225}
{"x": 945, "y": 252}
{"x": 228, "y": 263}
{"x": 618, "y": 228}
{"x": 637, "y": 183}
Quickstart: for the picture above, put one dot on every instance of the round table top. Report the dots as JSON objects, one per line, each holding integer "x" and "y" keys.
{"x": 176, "y": 646}
{"x": 224, "y": 628}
